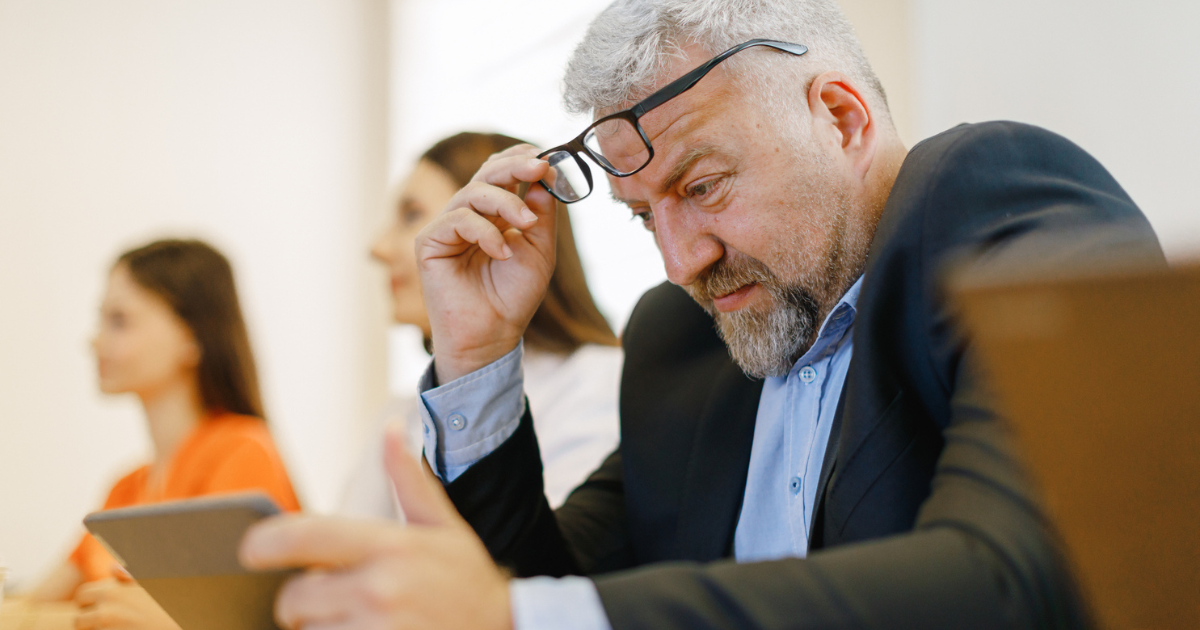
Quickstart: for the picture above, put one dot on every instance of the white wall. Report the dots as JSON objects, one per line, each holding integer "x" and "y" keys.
{"x": 1120, "y": 78}
{"x": 257, "y": 124}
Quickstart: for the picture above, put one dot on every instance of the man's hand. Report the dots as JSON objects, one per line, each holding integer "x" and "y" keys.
{"x": 432, "y": 573}
{"x": 485, "y": 263}
{"x": 114, "y": 605}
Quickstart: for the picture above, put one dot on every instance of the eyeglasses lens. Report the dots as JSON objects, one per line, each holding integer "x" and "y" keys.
{"x": 565, "y": 177}
{"x": 617, "y": 146}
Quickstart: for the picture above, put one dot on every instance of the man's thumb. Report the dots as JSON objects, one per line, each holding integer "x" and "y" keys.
{"x": 421, "y": 496}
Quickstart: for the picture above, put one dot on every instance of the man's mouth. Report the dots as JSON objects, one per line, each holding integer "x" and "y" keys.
{"x": 736, "y": 299}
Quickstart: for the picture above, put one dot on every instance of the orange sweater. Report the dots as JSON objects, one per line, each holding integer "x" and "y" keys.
{"x": 225, "y": 453}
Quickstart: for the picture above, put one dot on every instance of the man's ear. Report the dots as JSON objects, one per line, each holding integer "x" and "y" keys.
{"x": 842, "y": 114}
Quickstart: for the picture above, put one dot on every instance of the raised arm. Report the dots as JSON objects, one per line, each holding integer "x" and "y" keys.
{"x": 485, "y": 263}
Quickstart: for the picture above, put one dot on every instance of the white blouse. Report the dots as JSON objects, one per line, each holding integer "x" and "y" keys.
{"x": 573, "y": 399}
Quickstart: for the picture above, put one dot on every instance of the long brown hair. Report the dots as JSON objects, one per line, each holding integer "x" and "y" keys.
{"x": 568, "y": 317}
{"x": 196, "y": 281}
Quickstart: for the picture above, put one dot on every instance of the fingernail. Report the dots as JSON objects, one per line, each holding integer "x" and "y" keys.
{"x": 536, "y": 162}
{"x": 528, "y": 215}
{"x": 507, "y": 251}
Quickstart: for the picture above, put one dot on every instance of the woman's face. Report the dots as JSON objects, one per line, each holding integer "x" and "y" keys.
{"x": 426, "y": 191}
{"x": 142, "y": 346}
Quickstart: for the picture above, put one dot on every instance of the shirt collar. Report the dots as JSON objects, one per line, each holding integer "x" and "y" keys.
{"x": 842, "y": 315}
{"x": 836, "y": 323}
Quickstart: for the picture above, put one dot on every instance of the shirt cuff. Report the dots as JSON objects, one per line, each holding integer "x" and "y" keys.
{"x": 469, "y": 417}
{"x": 545, "y": 603}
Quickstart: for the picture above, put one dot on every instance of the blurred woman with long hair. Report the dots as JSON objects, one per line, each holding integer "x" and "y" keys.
{"x": 171, "y": 332}
{"x": 572, "y": 359}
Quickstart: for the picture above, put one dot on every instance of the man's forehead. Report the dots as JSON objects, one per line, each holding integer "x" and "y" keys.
{"x": 686, "y": 119}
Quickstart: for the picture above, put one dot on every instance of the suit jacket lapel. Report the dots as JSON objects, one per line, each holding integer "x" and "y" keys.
{"x": 716, "y": 478}
{"x": 816, "y": 531}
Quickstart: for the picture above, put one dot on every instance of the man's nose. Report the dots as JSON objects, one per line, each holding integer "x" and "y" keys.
{"x": 686, "y": 245}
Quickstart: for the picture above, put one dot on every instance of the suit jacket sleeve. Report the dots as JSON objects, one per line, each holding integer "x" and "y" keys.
{"x": 501, "y": 497}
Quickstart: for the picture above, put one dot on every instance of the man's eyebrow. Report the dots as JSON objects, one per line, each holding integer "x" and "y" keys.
{"x": 677, "y": 173}
{"x": 685, "y": 164}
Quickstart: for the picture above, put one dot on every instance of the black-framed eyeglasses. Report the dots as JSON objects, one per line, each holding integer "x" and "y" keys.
{"x": 570, "y": 179}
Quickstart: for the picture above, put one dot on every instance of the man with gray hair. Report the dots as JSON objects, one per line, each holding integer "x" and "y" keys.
{"x": 829, "y": 458}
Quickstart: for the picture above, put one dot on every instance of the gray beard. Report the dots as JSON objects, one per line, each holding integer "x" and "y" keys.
{"x": 762, "y": 343}
{"x": 769, "y": 343}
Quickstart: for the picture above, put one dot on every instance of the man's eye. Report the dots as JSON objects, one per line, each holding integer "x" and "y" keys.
{"x": 705, "y": 187}
{"x": 646, "y": 216}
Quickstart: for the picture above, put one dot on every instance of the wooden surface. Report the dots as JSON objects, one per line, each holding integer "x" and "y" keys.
{"x": 1101, "y": 378}
{"x": 17, "y": 614}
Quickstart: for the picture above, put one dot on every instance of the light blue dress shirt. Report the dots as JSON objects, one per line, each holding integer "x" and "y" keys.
{"x": 470, "y": 417}
{"x": 791, "y": 431}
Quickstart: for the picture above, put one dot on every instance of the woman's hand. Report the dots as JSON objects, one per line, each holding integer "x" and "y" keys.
{"x": 113, "y": 605}
{"x": 486, "y": 261}
{"x": 59, "y": 586}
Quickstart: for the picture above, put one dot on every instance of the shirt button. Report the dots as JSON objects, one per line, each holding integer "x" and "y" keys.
{"x": 458, "y": 422}
{"x": 795, "y": 484}
{"x": 808, "y": 374}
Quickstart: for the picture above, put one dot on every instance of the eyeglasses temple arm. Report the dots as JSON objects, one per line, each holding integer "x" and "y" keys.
{"x": 689, "y": 80}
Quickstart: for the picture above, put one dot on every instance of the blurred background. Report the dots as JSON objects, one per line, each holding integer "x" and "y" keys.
{"x": 272, "y": 128}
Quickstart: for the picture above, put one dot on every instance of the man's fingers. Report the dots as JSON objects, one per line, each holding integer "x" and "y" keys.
{"x": 491, "y": 201}
{"x": 545, "y": 233}
{"x": 355, "y": 598}
{"x": 508, "y": 169}
{"x": 324, "y": 541}
{"x": 421, "y": 496}
{"x": 451, "y": 234}
{"x": 314, "y": 597}
{"x": 523, "y": 150}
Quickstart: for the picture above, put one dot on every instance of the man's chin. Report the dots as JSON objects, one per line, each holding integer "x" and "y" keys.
{"x": 764, "y": 340}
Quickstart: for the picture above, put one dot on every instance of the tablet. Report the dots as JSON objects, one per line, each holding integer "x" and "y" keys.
{"x": 184, "y": 553}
